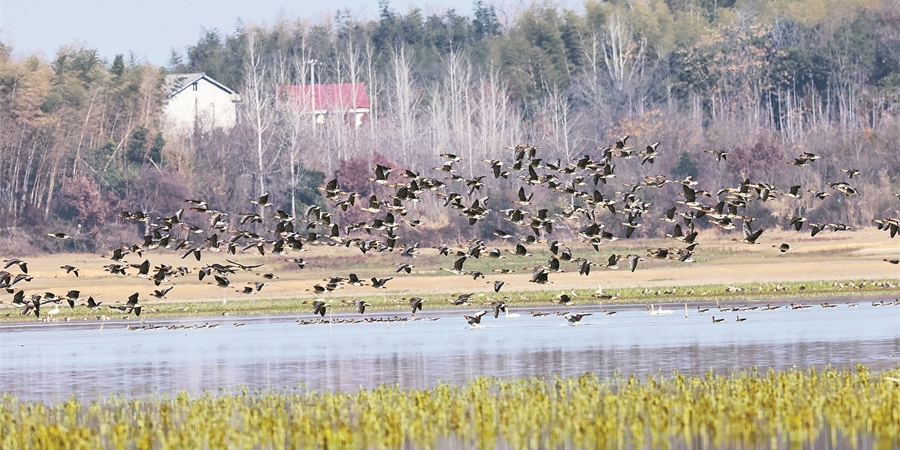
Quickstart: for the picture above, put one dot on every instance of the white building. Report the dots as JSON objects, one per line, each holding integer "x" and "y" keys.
{"x": 197, "y": 102}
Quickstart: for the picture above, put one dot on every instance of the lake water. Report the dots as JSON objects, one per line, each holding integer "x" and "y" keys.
{"x": 56, "y": 360}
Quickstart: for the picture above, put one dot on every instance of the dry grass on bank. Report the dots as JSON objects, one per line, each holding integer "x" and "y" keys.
{"x": 829, "y": 258}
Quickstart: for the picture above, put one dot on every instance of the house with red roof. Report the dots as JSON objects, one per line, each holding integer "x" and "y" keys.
{"x": 348, "y": 100}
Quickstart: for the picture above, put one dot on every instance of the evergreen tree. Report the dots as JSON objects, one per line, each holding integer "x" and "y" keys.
{"x": 118, "y": 66}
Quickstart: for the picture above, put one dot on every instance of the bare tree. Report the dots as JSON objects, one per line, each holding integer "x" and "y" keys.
{"x": 495, "y": 127}
{"x": 621, "y": 53}
{"x": 558, "y": 108}
{"x": 258, "y": 106}
{"x": 405, "y": 101}
{"x": 457, "y": 83}
{"x": 295, "y": 113}
{"x": 374, "y": 90}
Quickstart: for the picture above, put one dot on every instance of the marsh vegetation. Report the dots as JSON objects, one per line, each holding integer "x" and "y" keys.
{"x": 827, "y": 407}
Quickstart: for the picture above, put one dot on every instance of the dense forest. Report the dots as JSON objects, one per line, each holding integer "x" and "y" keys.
{"x": 81, "y": 139}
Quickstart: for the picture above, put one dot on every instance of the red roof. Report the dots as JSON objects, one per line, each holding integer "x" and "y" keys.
{"x": 328, "y": 97}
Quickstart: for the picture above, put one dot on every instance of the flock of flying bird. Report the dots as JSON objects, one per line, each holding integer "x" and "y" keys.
{"x": 582, "y": 182}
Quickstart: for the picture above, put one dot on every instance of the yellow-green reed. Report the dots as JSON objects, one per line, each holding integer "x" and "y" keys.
{"x": 786, "y": 409}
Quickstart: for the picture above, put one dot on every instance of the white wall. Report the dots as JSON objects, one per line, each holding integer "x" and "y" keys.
{"x": 203, "y": 102}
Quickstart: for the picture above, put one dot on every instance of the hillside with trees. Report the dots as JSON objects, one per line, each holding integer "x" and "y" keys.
{"x": 81, "y": 138}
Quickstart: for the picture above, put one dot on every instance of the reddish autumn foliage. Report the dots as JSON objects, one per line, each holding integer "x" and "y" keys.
{"x": 80, "y": 201}
{"x": 159, "y": 192}
{"x": 352, "y": 176}
{"x": 762, "y": 160}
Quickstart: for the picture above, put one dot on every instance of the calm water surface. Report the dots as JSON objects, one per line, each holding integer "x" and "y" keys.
{"x": 52, "y": 361}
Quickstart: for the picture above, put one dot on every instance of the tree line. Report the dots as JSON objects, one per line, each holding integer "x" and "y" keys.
{"x": 81, "y": 139}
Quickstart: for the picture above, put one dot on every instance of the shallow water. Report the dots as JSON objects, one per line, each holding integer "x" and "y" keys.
{"x": 52, "y": 361}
